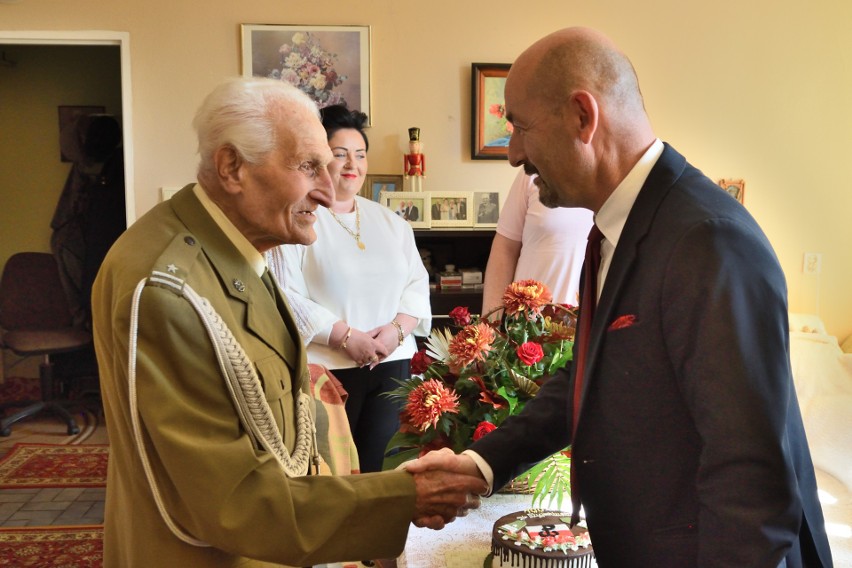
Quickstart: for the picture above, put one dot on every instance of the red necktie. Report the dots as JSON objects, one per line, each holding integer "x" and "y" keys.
{"x": 587, "y": 311}
{"x": 588, "y": 301}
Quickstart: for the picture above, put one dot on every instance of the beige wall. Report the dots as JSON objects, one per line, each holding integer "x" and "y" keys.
{"x": 757, "y": 90}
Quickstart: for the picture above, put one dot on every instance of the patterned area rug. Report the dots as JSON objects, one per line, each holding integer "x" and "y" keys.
{"x": 43, "y": 465}
{"x": 19, "y": 388}
{"x": 52, "y": 547}
{"x": 46, "y": 427}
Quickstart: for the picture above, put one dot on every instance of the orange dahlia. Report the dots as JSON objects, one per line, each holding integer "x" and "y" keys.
{"x": 428, "y": 401}
{"x": 524, "y": 295}
{"x": 471, "y": 344}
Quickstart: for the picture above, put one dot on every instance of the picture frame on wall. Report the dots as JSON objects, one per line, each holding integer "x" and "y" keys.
{"x": 329, "y": 63}
{"x": 735, "y": 188}
{"x": 375, "y": 184}
{"x": 490, "y": 131}
{"x": 68, "y": 116}
{"x": 487, "y": 208}
{"x": 413, "y": 206}
{"x": 451, "y": 209}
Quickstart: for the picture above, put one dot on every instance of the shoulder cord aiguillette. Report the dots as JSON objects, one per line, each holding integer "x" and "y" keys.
{"x": 243, "y": 385}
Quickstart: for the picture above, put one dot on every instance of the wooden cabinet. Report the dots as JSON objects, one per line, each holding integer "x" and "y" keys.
{"x": 464, "y": 248}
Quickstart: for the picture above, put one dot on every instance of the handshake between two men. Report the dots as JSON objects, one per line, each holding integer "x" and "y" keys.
{"x": 448, "y": 485}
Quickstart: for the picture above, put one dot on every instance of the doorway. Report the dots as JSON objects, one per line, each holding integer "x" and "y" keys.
{"x": 42, "y": 74}
{"x": 31, "y": 171}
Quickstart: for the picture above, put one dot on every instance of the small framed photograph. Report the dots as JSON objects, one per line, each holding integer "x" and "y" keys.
{"x": 375, "y": 184}
{"x": 451, "y": 209}
{"x": 487, "y": 206}
{"x": 68, "y": 116}
{"x": 735, "y": 188}
{"x": 490, "y": 131}
{"x": 410, "y": 205}
{"x": 329, "y": 63}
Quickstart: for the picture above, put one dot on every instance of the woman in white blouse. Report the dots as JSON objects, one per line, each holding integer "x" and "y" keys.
{"x": 360, "y": 292}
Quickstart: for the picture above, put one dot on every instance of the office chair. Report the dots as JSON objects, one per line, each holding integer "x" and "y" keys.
{"x": 35, "y": 320}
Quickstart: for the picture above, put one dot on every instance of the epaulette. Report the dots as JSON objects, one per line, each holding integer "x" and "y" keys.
{"x": 175, "y": 263}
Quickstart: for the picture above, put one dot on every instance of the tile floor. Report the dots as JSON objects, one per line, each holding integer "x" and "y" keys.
{"x": 54, "y": 506}
{"x": 51, "y": 507}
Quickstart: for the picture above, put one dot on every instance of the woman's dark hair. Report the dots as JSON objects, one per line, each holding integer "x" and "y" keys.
{"x": 337, "y": 117}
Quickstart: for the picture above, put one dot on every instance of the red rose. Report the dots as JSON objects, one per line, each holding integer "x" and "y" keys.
{"x": 483, "y": 429}
{"x": 530, "y": 353}
{"x": 420, "y": 362}
{"x": 460, "y": 315}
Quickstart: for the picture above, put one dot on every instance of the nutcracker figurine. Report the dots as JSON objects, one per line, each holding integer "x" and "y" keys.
{"x": 414, "y": 163}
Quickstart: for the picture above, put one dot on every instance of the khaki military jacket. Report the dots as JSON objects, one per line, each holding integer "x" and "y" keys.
{"x": 216, "y": 485}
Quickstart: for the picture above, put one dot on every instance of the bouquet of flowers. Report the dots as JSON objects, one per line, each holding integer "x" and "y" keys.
{"x": 306, "y": 65}
{"x": 464, "y": 385}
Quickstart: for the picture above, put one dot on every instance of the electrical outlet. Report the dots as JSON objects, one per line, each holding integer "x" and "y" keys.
{"x": 812, "y": 263}
{"x": 167, "y": 192}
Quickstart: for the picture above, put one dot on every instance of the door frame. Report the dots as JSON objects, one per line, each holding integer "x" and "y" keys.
{"x": 96, "y": 37}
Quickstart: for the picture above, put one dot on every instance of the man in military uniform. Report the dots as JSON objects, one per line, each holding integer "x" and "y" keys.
{"x": 204, "y": 378}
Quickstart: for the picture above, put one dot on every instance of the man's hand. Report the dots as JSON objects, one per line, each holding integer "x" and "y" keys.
{"x": 447, "y": 487}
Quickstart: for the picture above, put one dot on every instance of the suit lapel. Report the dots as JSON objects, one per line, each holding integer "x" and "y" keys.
{"x": 663, "y": 176}
{"x": 240, "y": 282}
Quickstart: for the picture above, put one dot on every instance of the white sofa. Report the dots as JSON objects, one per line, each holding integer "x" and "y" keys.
{"x": 822, "y": 373}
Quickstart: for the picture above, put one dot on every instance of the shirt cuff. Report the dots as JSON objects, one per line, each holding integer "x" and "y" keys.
{"x": 322, "y": 336}
{"x": 484, "y": 469}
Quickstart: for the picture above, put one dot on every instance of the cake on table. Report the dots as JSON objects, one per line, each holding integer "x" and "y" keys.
{"x": 540, "y": 539}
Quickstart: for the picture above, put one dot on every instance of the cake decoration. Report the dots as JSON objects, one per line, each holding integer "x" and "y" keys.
{"x": 542, "y": 539}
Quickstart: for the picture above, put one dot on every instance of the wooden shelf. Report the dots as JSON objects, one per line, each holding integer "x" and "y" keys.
{"x": 464, "y": 248}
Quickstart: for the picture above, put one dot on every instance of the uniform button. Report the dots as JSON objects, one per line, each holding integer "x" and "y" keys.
{"x": 189, "y": 240}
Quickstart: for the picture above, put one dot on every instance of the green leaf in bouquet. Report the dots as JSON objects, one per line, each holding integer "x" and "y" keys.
{"x": 560, "y": 361}
{"x": 551, "y": 478}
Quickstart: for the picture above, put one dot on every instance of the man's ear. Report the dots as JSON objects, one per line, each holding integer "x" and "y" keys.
{"x": 585, "y": 108}
{"x": 229, "y": 168}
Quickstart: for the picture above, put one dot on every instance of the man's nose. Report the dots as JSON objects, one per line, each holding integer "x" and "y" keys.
{"x": 516, "y": 150}
{"x": 324, "y": 190}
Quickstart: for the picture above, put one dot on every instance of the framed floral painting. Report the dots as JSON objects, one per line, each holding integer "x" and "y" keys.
{"x": 451, "y": 209}
{"x": 410, "y": 205}
{"x": 490, "y": 131}
{"x": 329, "y": 63}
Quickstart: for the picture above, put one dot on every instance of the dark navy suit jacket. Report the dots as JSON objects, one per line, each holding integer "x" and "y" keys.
{"x": 690, "y": 449}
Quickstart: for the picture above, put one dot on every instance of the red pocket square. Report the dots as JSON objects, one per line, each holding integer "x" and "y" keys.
{"x": 622, "y": 321}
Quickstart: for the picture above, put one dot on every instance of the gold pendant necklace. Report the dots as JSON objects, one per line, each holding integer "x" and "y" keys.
{"x": 356, "y": 234}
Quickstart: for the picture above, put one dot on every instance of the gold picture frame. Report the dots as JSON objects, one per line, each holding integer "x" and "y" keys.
{"x": 490, "y": 131}
{"x": 735, "y": 188}
{"x": 375, "y": 184}
{"x": 329, "y": 63}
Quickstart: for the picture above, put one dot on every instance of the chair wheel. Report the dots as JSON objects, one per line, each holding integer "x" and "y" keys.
{"x": 71, "y": 430}
{"x": 6, "y": 432}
